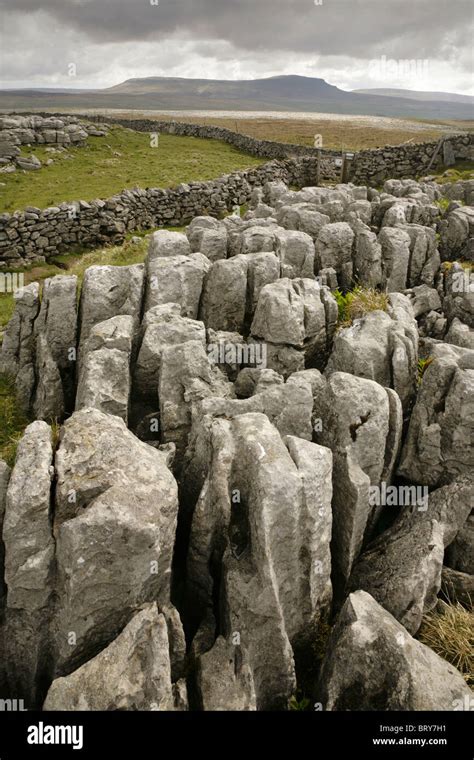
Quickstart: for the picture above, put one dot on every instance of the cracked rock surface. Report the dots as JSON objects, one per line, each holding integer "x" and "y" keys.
{"x": 233, "y": 490}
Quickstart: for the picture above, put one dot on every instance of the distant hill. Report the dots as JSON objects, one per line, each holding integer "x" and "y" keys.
{"x": 281, "y": 93}
{"x": 442, "y": 97}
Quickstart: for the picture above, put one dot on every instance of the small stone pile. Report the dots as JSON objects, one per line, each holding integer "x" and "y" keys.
{"x": 59, "y": 133}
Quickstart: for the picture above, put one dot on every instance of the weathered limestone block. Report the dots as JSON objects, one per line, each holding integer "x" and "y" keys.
{"x": 424, "y": 255}
{"x": 460, "y": 335}
{"x": 372, "y": 663}
{"x": 224, "y": 679}
{"x": 132, "y": 673}
{"x": 296, "y": 313}
{"x": 367, "y": 257}
{"x": 255, "y": 239}
{"x": 438, "y": 446}
{"x": 304, "y": 217}
{"x": 17, "y": 351}
{"x": 402, "y": 568}
{"x": 57, "y": 324}
{"x": 104, "y": 378}
{"x": 223, "y": 303}
{"x": 163, "y": 326}
{"x": 251, "y": 381}
{"x": 29, "y": 572}
{"x": 395, "y": 244}
{"x": 115, "y": 523}
{"x": 110, "y": 292}
{"x": 49, "y": 401}
{"x": 361, "y": 423}
{"x": 209, "y": 237}
{"x": 263, "y": 513}
{"x": 166, "y": 243}
{"x": 382, "y": 347}
{"x": 295, "y": 251}
{"x": 424, "y": 299}
{"x": 334, "y": 250}
{"x": 456, "y": 231}
{"x": 186, "y": 376}
{"x": 176, "y": 279}
{"x": 456, "y": 288}
{"x": 262, "y": 269}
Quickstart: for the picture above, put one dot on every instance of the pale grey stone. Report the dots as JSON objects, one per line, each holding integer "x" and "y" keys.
{"x": 176, "y": 279}
{"x": 132, "y": 673}
{"x": 373, "y": 663}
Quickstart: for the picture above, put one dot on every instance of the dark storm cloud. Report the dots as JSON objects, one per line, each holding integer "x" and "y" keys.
{"x": 359, "y": 28}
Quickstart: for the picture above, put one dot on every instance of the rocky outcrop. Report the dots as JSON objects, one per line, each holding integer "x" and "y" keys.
{"x": 108, "y": 484}
{"x": 402, "y": 568}
{"x": 104, "y": 377}
{"x": 361, "y": 422}
{"x": 312, "y": 461}
{"x": 382, "y": 347}
{"x": 176, "y": 279}
{"x": 374, "y": 664}
{"x": 456, "y": 288}
{"x": 17, "y": 351}
{"x": 132, "y": 673}
{"x": 186, "y": 376}
{"x": 29, "y": 565}
{"x": 162, "y": 326}
{"x": 109, "y": 292}
{"x": 298, "y": 314}
{"x": 334, "y": 249}
{"x": 456, "y": 233}
{"x": 260, "y": 491}
{"x": 437, "y": 448}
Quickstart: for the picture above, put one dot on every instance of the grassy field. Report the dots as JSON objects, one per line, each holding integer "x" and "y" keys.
{"x": 122, "y": 160}
{"x": 77, "y": 263}
{"x": 354, "y": 133}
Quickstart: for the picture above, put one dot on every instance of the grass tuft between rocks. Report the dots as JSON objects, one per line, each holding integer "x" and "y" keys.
{"x": 359, "y": 302}
{"x": 133, "y": 251}
{"x": 13, "y": 421}
{"x": 449, "y": 631}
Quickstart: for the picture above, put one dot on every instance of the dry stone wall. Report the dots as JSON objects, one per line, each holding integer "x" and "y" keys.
{"x": 36, "y": 235}
{"x": 396, "y": 161}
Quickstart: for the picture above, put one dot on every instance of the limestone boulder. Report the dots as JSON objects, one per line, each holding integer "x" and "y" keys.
{"x": 164, "y": 326}
{"x": 110, "y": 292}
{"x": 361, "y": 422}
{"x": 104, "y": 378}
{"x": 176, "y": 279}
{"x": 382, "y": 347}
{"x": 115, "y": 522}
{"x": 17, "y": 358}
{"x": 260, "y": 490}
{"x": 334, "y": 250}
{"x": 165, "y": 243}
{"x": 374, "y": 664}
{"x": 402, "y": 568}
{"x": 29, "y": 565}
{"x": 132, "y": 673}
{"x": 437, "y": 448}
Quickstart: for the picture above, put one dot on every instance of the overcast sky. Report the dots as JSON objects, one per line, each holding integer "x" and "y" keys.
{"x": 350, "y": 43}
